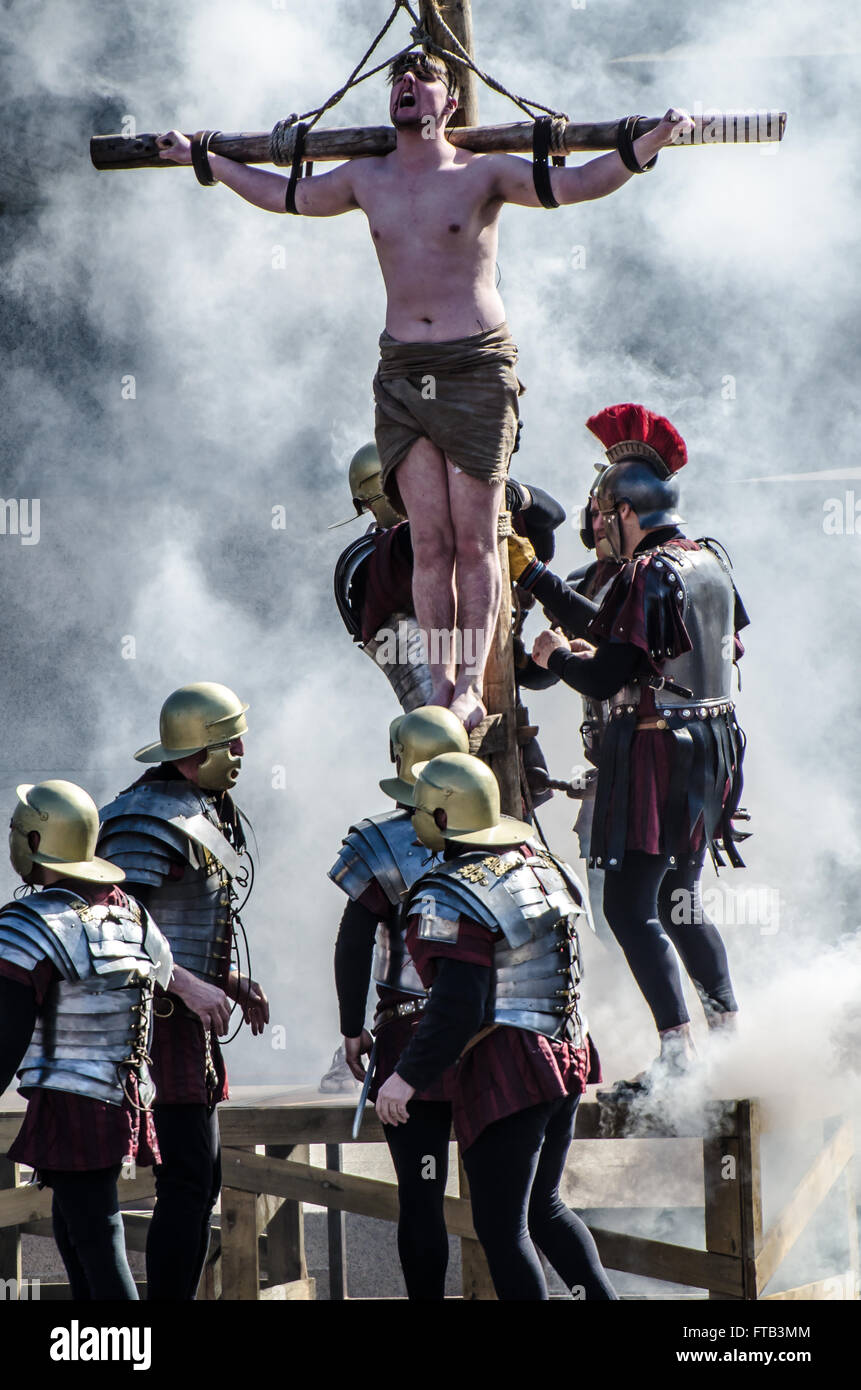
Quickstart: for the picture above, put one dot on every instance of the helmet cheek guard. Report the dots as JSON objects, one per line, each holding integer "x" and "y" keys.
{"x": 587, "y": 530}
{"x": 220, "y": 768}
{"x": 427, "y": 830}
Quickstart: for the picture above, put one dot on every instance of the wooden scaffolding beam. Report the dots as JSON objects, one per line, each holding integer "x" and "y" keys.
{"x": 262, "y": 1198}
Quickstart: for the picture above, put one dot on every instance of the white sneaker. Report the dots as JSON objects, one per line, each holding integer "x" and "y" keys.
{"x": 339, "y": 1078}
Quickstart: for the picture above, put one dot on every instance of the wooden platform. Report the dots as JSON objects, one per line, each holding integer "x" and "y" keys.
{"x": 260, "y": 1253}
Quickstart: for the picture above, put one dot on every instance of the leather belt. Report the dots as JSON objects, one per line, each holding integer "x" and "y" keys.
{"x": 653, "y": 723}
{"x": 407, "y": 1010}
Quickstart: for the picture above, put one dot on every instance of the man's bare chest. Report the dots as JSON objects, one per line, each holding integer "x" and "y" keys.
{"x": 445, "y": 210}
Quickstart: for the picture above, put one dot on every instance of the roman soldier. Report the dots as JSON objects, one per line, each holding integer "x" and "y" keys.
{"x": 373, "y": 592}
{"x": 492, "y": 929}
{"x": 79, "y": 960}
{"x": 179, "y": 836}
{"x": 661, "y": 647}
{"x": 378, "y": 863}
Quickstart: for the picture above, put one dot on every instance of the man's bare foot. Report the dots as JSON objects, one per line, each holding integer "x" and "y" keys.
{"x": 442, "y": 693}
{"x": 469, "y": 708}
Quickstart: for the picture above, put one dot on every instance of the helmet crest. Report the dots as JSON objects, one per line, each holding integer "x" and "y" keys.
{"x": 632, "y": 431}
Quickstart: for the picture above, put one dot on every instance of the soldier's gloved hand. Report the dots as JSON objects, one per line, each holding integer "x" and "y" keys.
{"x": 521, "y": 553}
{"x": 251, "y": 999}
{"x": 354, "y": 1049}
{"x": 210, "y": 1003}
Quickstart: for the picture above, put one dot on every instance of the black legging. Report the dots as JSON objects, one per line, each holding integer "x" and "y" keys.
{"x": 88, "y": 1229}
{"x": 419, "y": 1152}
{"x": 650, "y": 910}
{"x": 187, "y": 1183}
{"x": 514, "y": 1170}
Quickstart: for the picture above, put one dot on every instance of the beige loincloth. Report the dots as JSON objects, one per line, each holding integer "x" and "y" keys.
{"x": 461, "y": 395}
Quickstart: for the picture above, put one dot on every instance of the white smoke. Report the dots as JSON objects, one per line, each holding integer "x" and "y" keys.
{"x": 719, "y": 289}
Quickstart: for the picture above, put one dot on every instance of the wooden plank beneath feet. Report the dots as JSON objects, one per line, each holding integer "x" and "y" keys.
{"x": 816, "y": 1183}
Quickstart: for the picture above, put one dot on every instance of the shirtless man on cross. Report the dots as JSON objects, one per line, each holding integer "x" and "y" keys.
{"x": 446, "y": 391}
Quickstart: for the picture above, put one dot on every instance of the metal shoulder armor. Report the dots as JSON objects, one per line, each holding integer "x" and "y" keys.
{"x": 151, "y": 829}
{"x": 381, "y": 848}
{"x": 94, "y": 1026}
{"x": 349, "y": 562}
{"x": 42, "y": 926}
{"x": 532, "y": 908}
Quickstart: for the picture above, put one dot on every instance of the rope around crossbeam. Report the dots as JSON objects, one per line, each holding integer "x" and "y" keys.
{"x": 282, "y": 139}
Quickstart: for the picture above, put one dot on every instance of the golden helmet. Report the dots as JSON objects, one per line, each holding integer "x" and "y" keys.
{"x": 198, "y": 716}
{"x": 67, "y": 823}
{"x": 417, "y": 737}
{"x": 366, "y": 490}
{"x": 465, "y": 789}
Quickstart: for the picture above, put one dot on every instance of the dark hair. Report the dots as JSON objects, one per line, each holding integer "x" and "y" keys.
{"x": 447, "y": 74}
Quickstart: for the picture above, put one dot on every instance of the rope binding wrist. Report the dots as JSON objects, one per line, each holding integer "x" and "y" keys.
{"x": 200, "y": 156}
{"x": 626, "y": 134}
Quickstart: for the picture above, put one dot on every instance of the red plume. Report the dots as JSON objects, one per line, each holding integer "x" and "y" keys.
{"x": 635, "y": 424}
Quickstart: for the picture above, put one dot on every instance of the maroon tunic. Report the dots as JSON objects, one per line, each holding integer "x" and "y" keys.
{"x": 392, "y": 1038}
{"x": 509, "y": 1069}
{"x": 72, "y": 1133}
{"x": 388, "y": 579}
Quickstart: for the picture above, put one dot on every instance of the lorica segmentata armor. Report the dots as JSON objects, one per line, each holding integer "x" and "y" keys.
{"x": 94, "y": 1026}
{"x": 157, "y": 826}
{"x": 384, "y": 849}
{"x": 533, "y": 904}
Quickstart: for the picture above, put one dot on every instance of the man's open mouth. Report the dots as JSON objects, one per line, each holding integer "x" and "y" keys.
{"x": 407, "y": 99}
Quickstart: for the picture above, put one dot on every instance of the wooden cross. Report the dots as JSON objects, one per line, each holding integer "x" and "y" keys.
{"x": 496, "y": 738}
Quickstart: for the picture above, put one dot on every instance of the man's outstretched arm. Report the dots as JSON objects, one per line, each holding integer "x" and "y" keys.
{"x": 325, "y": 195}
{"x": 514, "y": 184}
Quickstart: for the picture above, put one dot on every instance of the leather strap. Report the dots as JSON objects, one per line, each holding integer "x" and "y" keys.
{"x": 540, "y": 173}
{"x": 626, "y": 134}
{"x": 410, "y": 1010}
{"x": 200, "y": 157}
{"x": 478, "y": 1037}
{"x": 296, "y": 169}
